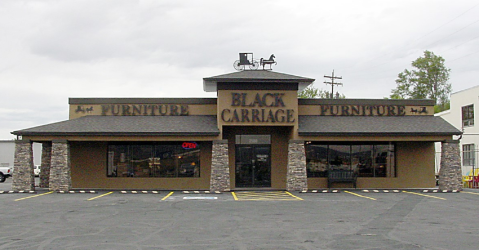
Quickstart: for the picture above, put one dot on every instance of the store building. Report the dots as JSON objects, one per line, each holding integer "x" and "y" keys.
{"x": 255, "y": 134}
{"x": 461, "y": 116}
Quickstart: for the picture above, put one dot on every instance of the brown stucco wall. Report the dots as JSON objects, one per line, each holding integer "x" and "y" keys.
{"x": 89, "y": 164}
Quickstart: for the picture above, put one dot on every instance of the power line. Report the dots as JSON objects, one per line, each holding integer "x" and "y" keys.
{"x": 332, "y": 77}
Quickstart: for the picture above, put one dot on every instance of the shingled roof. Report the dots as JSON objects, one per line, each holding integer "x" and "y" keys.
{"x": 255, "y": 76}
{"x": 258, "y": 75}
{"x": 129, "y": 125}
{"x": 375, "y": 125}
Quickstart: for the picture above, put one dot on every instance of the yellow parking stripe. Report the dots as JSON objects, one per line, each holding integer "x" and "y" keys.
{"x": 425, "y": 195}
{"x": 470, "y": 193}
{"x": 294, "y": 196}
{"x": 166, "y": 197}
{"x": 362, "y": 196}
{"x": 234, "y": 196}
{"x": 99, "y": 196}
{"x": 263, "y": 196}
{"x": 34, "y": 196}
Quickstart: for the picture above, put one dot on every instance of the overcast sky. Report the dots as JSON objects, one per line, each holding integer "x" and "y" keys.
{"x": 53, "y": 50}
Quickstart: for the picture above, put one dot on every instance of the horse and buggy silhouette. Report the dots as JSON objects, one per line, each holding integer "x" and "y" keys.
{"x": 246, "y": 59}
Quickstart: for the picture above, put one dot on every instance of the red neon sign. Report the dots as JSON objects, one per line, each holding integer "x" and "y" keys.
{"x": 189, "y": 145}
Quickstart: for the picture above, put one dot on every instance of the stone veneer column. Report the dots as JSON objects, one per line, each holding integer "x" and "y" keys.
{"x": 297, "y": 179}
{"x": 450, "y": 174}
{"x": 23, "y": 177}
{"x": 46, "y": 163}
{"x": 60, "y": 172}
{"x": 220, "y": 169}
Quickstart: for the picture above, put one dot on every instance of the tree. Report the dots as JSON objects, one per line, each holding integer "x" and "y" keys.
{"x": 312, "y": 92}
{"x": 428, "y": 80}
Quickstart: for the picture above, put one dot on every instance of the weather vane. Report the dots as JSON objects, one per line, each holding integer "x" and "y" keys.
{"x": 253, "y": 64}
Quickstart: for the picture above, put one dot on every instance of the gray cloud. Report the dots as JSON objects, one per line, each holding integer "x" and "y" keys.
{"x": 52, "y": 50}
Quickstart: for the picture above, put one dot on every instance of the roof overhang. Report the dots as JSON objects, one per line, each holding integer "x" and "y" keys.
{"x": 210, "y": 84}
{"x": 375, "y": 126}
{"x": 128, "y": 126}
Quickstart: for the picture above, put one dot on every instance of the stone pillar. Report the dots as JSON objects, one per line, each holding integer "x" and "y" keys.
{"x": 46, "y": 163}
{"x": 60, "y": 172}
{"x": 297, "y": 179}
{"x": 220, "y": 169}
{"x": 23, "y": 176}
{"x": 450, "y": 174}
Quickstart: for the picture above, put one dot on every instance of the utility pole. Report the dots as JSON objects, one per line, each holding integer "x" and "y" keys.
{"x": 332, "y": 77}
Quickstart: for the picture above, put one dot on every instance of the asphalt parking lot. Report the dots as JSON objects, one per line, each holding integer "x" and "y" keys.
{"x": 348, "y": 219}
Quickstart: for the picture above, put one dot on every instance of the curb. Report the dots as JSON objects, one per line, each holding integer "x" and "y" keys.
{"x": 380, "y": 191}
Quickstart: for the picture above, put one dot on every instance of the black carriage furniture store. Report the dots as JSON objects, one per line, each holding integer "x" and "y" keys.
{"x": 256, "y": 134}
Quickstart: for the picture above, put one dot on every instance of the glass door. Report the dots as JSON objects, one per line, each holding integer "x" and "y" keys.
{"x": 253, "y": 166}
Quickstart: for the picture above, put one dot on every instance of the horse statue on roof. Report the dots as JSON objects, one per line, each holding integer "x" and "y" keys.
{"x": 269, "y": 61}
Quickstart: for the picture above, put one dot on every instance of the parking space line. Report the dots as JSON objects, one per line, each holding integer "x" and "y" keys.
{"x": 294, "y": 196}
{"x": 99, "y": 196}
{"x": 358, "y": 195}
{"x": 264, "y": 196}
{"x": 470, "y": 193}
{"x": 33, "y": 196}
{"x": 168, "y": 195}
{"x": 234, "y": 196}
{"x": 425, "y": 195}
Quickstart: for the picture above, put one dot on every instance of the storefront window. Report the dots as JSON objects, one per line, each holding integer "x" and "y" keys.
{"x": 317, "y": 160}
{"x": 178, "y": 159}
{"x": 368, "y": 160}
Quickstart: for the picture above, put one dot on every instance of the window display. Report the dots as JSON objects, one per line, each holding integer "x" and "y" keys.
{"x": 154, "y": 160}
{"x": 368, "y": 160}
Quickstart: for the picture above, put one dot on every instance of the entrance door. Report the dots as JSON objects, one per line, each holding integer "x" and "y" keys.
{"x": 253, "y": 166}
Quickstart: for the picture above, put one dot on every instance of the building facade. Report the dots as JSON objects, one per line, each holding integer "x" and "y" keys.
{"x": 461, "y": 116}
{"x": 255, "y": 135}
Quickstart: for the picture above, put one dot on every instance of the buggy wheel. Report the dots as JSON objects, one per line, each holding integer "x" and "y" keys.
{"x": 237, "y": 65}
{"x": 254, "y": 65}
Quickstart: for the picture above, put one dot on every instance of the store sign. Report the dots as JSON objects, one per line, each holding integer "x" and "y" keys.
{"x": 364, "y": 110}
{"x": 189, "y": 145}
{"x": 144, "y": 109}
{"x": 257, "y": 108}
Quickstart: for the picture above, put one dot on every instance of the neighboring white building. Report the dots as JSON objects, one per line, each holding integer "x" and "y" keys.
{"x": 461, "y": 116}
{"x": 7, "y": 153}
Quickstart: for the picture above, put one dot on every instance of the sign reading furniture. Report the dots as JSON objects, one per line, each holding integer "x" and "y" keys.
{"x": 371, "y": 110}
{"x": 144, "y": 109}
